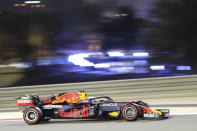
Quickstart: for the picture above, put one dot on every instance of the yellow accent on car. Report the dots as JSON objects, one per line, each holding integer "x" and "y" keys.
{"x": 113, "y": 113}
{"x": 82, "y": 96}
{"x": 155, "y": 111}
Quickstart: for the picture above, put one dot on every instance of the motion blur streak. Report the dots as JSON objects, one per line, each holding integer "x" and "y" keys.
{"x": 183, "y": 68}
{"x": 141, "y": 54}
{"x": 102, "y": 65}
{"x": 161, "y": 67}
{"x": 79, "y": 59}
{"x": 32, "y": 2}
{"x": 115, "y": 53}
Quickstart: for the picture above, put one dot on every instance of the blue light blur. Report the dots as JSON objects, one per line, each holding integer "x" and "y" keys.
{"x": 115, "y": 53}
{"x": 141, "y": 54}
{"x": 140, "y": 62}
{"x": 79, "y": 59}
{"x": 141, "y": 70}
{"x": 181, "y": 68}
{"x": 102, "y": 65}
{"x": 157, "y": 67}
{"x": 122, "y": 70}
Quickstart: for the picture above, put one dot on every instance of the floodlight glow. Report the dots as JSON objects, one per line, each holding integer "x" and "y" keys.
{"x": 32, "y": 2}
{"x": 102, "y": 65}
{"x": 124, "y": 15}
{"x": 183, "y": 68}
{"x": 122, "y": 69}
{"x": 141, "y": 54}
{"x": 115, "y": 53}
{"x": 3, "y": 66}
{"x": 78, "y": 59}
{"x": 85, "y": 63}
{"x": 20, "y": 65}
{"x": 95, "y": 53}
{"x": 159, "y": 67}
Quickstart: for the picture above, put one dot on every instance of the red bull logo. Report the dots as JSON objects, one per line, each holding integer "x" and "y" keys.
{"x": 75, "y": 112}
{"x": 68, "y": 97}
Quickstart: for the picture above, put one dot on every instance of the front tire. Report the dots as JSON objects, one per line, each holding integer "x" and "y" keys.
{"x": 130, "y": 112}
{"x": 32, "y": 116}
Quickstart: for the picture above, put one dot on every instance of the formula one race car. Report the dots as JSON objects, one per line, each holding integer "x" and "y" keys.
{"x": 73, "y": 105}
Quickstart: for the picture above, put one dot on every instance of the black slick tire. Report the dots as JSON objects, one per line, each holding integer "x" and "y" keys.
{"x": 32, "y": 116}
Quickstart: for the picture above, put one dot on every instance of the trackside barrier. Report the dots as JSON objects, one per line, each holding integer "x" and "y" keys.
{"x": 161, "y": 87}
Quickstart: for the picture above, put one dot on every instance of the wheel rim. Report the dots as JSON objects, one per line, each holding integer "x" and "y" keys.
{"x": 129, "y": 112}
{"x": 31, "y": 116}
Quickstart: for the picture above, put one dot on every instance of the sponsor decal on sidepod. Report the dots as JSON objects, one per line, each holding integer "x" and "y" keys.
{"x": 75, "y": 112}
{"x": 52, "y": 106}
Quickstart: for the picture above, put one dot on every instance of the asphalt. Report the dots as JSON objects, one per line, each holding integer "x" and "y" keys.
{"x": 175, "y": 123}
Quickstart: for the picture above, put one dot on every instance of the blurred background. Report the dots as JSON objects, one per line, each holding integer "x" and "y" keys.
{"x": 64, "y": 41}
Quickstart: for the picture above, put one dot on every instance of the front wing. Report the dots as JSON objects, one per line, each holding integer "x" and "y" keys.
{"x": 155, "y": 113}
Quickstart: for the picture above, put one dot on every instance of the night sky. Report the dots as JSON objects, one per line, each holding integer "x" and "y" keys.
{"x": 4, "y": 4}
{"x": 140, "y": 6}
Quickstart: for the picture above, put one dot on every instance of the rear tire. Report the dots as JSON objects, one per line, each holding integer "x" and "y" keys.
{"x": 130, "y": 112}
{"x": 32, "y": 116}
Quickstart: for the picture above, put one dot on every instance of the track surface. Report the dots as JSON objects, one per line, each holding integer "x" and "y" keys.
{"x": 175, "y": 123}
